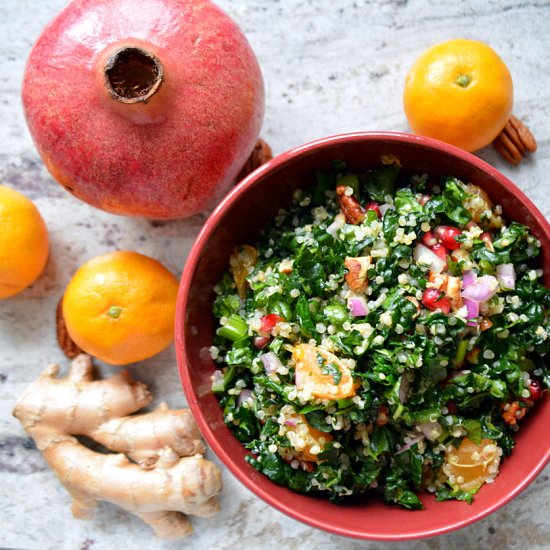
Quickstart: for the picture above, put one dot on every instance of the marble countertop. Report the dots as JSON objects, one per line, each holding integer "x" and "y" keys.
{"x": 329, "y": 67}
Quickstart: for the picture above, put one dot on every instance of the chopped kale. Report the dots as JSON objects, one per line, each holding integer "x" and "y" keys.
{"x": 407, "y": 383}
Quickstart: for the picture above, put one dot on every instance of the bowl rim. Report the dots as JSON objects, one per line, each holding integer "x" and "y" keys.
{"x": 190, "y": 265}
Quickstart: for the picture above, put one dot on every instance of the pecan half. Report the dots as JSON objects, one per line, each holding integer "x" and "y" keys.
{"x": 68, "y": 347}
{"x": 452, "y": 291}
{"x": 260, "y": 155}
{"x": 357, "y": 275}
{"x": 515, "y": 141}
{"x": 352, "y": 210}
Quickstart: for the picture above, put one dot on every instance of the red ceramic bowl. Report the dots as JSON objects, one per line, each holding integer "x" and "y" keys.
{"x": 238, "y": 220}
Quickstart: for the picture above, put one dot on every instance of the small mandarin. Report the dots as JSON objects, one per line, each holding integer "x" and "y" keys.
{"x": 460, "y": 92}
{"x": 24, "y": 244}
{"x": 120, "y": 307}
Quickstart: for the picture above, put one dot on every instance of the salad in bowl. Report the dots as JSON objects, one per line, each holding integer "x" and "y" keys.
{"x": 387, "y": 332}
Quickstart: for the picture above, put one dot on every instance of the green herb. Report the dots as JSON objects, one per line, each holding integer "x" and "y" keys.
{"x": 235, "y": 329}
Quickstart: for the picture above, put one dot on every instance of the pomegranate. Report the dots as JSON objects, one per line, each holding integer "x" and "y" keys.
{"x": 433, "y": 300}
{"x": 535, "y": 388}
{"x": 268, "y": 323}
{"x": 440, "y": 251}
{"x": 374, "y": 207}
{"x": 446, "y": 235}
{"x": 144, "y": 107}
{"x": 428, "y": 239}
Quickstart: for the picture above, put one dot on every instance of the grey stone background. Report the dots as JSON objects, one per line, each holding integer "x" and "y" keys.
{"x": 329, "y": 67}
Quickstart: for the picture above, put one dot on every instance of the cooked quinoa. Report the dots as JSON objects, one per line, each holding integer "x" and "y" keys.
{"x": 387, "y": 332}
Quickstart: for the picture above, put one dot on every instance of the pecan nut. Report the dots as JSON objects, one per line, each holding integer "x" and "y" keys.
{"x": 515, "y": 141}
{"x": 357, "y": 275}
{"x": 66, "y": 343}
{"x": 260, "y": 155}
{"x": 352, "y": 210}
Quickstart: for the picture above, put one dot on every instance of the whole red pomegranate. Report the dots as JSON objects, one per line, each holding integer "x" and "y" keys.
{"x": 144, "y": 107}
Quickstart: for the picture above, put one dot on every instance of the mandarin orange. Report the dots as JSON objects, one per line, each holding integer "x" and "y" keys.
{"x": 460, "y": 92}
{"x": 24, "y": 244}
{"x": 120, "y": 307}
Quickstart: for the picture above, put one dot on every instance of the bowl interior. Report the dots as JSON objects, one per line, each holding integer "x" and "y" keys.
{"x": 238, "y": 220}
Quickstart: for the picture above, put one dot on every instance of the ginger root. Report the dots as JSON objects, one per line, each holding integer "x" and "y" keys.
{"x": 159, "y": 472}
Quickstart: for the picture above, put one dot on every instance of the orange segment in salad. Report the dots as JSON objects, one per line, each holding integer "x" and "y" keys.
{"x": 472, "y": 464}
{"x": 307, "y": 441}
{"x": 322, "y": 374}
{"x": 242, "y": 261}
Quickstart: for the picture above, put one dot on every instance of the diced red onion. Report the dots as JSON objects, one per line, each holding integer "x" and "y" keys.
{"x": 506, "y": 276}
{"x": 468, "y": 278}
{"x": 290, "y": 423}
{"x": 482, "y": 290}
{"x": 271, "y": 362}
{"x": 407, "y": 446}
{"x": 423, "y": 255}
{"x": 358, "y": 306}
{"x": 473, "y": 311}
{"x": 244, "y": 396}
{"x": 432, "y": 430}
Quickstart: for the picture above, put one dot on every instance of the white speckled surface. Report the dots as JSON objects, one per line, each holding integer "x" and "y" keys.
{"x": 329, "y": 67}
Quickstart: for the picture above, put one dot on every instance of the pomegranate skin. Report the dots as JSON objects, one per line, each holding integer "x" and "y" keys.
{"x": 173, "y": 152}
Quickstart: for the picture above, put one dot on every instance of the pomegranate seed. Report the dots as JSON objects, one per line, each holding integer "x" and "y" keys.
{"x": 432, "y": 299}
{"x": 486, "y": 236}
{"x": 268, "y": 322}
{"x": 446, "y": 235}
{"x": 424, "y": 199}
{"x": 374, "y": 207}
{"x": 452, "y": 408}
{"x": 535, "y": 387}
{"x": 440, "y": 251}
{"x": 428, "y": 239}
{"x": 261, "y": 342}
{"x": 488, "y": 240}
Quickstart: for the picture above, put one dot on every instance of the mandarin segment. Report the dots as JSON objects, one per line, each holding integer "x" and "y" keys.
{"x": 322, "y": 374}
{"x": 471, "y": 465}
{"x": 307, "y": 442}
{"x": 242, "y": 262}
